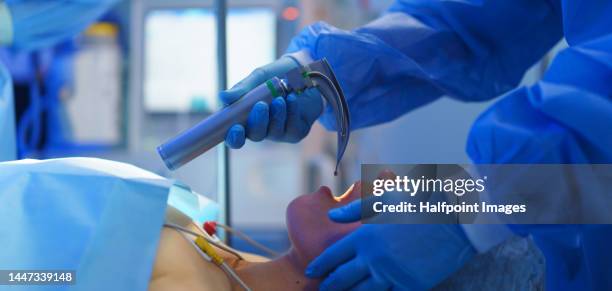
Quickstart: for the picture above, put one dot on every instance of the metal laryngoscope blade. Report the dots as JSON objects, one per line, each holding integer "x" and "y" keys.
{"x": 319, "y": 75}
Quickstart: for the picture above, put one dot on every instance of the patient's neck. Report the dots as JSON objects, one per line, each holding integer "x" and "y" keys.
{"x": 283, "y": 273}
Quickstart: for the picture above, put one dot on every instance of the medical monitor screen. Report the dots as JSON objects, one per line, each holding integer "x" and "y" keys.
{"x": 181, "y": 60}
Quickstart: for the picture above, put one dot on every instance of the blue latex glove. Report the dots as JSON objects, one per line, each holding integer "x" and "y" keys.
{"x": 42, "y": 23}
{"x": 384, "y": 256}
{"x": 287, "y": 120}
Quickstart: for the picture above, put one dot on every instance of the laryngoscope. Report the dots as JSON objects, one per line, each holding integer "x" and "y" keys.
{"x": 205, "y": 135}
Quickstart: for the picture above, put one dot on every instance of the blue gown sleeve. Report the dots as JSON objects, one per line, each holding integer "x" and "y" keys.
{"x": 421, "y": 50}
{"x": 563, "y": 119}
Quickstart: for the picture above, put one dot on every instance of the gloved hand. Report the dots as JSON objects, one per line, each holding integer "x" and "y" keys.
{"x": 287, "y": 120}
{"x": 42, "y": 23}
{"x": 385, "y": 256}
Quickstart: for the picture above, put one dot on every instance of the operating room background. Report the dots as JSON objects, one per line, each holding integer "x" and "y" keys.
{"x": 123, "y": 87}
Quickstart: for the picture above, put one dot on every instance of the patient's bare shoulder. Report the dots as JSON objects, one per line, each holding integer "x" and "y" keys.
{"x": 178, "y": 266}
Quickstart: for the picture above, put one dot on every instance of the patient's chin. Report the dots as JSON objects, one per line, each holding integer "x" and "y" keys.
{"x": 310, "y": 229}
{"x": 309, "y": 242}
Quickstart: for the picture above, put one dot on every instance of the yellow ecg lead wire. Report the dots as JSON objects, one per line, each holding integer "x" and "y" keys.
{"x": 205, "y": 246}
{"x": 208, "y": 249}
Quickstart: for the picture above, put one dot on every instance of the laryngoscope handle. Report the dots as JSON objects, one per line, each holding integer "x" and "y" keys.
{"x": 211, "y": 131}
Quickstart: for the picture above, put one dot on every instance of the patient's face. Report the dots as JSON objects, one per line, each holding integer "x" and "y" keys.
{"x": 310, "y": 229}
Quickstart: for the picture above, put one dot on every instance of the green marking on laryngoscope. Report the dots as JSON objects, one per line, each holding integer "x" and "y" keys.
{"x": 272, "y": 89}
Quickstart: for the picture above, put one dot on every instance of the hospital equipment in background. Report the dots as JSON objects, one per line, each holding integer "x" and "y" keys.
{"x": 180, "y": 60}
{"x": 211, "y": 131}
{"x": 96, "y": 100}
{"x": 68, "y": 96}
{"x": 34, "y": 25}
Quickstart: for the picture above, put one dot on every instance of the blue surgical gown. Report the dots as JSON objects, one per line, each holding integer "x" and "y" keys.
{"x": 479, "y": 50}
